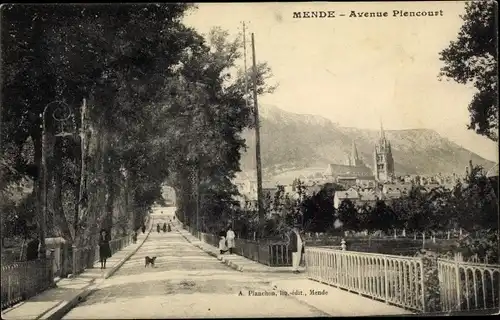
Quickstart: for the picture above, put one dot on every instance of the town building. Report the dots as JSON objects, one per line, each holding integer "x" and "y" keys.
{"x": 396, "y": 190}
{"x": 366, "y": 182}
{"x": 340, "y": 196}
{"x": 358, "y": 197}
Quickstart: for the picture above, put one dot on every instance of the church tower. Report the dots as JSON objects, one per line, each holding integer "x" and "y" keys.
{"x": 383, "y": 161}
{"x": 354, "y": 159}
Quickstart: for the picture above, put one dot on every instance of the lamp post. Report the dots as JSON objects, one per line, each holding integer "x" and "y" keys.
{"x": 42, "y": 173}
{"x": 43, "y": 169}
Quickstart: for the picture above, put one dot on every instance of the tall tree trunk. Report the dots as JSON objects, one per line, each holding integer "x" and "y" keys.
{"x": 76, "y": 194}
{"x": 93, "y": 186}
{"x": 50, "y": 168}
{"x": 109, "y": 182}
{"x": 37, "y": 184}
{"x": 61, "y": 223}
{"x": 99, "y": 172}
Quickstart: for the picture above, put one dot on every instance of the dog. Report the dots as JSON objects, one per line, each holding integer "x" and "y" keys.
{"x": 150, "y": 261}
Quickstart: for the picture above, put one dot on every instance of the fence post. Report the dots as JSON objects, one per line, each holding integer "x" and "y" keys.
{"x": 386, "y": 282}
{"x": 258, "y": 251}
{"x": 74, "y": 266}
{"x": 457, "y": 277}
{"x": 9, "y": 288}
{"x": 52, "y": 264}
{"x": 64, "y": 259}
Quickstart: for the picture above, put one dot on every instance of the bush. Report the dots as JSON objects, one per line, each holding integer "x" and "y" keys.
{"x": 484, "y": 244}
{"x": 431, "y": 288}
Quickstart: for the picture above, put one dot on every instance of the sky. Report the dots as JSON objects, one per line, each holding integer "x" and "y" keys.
{"x": 357, "y": 71}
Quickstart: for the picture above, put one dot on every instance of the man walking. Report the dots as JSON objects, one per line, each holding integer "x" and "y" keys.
{"x": 296, "y": 246}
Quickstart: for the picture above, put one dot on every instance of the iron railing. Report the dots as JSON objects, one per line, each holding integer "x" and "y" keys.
{"x": 84, "y": 257}
{"x": 270, "y": 253}
{"x": 393, "y": 279}
{"x": 408, "y": 282}
{"x": 466, "y": 286}
{"x": 22, "y": 280}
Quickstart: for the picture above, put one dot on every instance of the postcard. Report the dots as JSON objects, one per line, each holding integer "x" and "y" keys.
{"x": 246, "y": 160}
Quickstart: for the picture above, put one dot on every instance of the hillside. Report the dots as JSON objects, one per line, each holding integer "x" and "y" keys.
{"x": 296, "y": 141}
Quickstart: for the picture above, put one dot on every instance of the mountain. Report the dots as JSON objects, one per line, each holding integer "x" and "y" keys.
{"x": 296, "y": 141}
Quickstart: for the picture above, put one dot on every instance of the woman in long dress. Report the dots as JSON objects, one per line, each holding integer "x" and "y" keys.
{"x": 230, "y": 236}
{"x": 104, "y": 248}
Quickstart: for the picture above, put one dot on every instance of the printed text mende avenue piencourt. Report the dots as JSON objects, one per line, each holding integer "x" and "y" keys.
{"x": 362, "y": 14}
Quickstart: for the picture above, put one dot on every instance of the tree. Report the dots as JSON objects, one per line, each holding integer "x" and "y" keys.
{"x": 319, "y": 210}
{"x": 441, "y": 208}
{"x": 382, "y": 217}
{"x": 126, "y": 82}
{"x": 475, "y": 201}
{"x": 364, "y": 217}
{"x": 162, "y": 106}
{"x": 472, "y": 58}
{"x": 414, "y": 210}
{"x": 212, "y": 110}
{"x": 348, "y": 215}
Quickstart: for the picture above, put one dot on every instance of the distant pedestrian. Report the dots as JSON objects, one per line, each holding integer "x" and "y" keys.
{"x": 296, "y": 246}
{"x": 134, "y": 237}
{"x": 164, "y": 227}
{"x": 222, "y": 242}
{"x": 169, "y": 228}
{"x": 230, "y": 236}
{"x": 143, "y": 228}
{"x": 104, "y": 248}
{"x": 158, "y": 228}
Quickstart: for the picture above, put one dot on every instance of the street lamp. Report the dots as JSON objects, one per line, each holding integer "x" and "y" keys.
{"x": 61, "y": 113}
{"x": 42, "y": 172}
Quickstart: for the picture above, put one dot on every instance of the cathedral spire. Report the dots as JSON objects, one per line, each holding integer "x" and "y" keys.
{"x": 382, "y": 133}
{"x": 354, "y": 153}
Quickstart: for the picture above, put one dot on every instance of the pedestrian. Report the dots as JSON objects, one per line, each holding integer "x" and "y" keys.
{"x": 134, "y": 237}
{"x": 296, "y": 246}
{"x": 222, "y": 242}
{"x": 169, "y": 228}
{"x": 164, "y": 227}
{"x": 104, "y": 248}
{"x": 143, "y": 228}
{"x": 230, "y": 239}
{"x": 158, "y": 228}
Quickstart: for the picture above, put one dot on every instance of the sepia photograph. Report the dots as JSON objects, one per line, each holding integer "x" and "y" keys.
{"x": 249, "y": 160}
